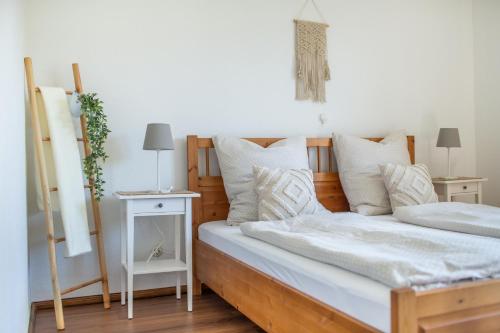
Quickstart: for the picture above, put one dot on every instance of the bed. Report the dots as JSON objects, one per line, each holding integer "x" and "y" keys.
{"x": 330, "y": 300}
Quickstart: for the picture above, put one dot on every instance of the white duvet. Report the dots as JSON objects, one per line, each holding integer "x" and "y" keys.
{"x": 393, "y": 253}
{"x": 473, "y": 219}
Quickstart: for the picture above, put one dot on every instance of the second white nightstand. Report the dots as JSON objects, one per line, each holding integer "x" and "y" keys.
{"x": 135, "y": 204}
{"x": 449, "y": 188}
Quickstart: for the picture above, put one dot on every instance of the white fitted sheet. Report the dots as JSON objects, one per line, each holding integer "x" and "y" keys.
{"x": 353, "y": 294}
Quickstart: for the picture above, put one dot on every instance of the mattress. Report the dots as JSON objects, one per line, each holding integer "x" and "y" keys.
{"x": 358, "y": 296}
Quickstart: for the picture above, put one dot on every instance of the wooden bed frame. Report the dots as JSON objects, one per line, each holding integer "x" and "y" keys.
{"x": 471, "y": 307}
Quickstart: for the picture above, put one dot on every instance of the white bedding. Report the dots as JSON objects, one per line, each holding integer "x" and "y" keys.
{"x": 355, "y": 295}
{"x": 472, "y": 219}
{"x": 394, "y": 253}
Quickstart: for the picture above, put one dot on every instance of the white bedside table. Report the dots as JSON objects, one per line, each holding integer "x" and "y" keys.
{"x": 135, "y": 204}
{"x": 447, "y": 189}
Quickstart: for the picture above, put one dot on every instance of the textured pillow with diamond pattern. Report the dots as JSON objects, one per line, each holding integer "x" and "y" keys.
{"x": 408, "y": 185}
{"x": 284, "y": 193}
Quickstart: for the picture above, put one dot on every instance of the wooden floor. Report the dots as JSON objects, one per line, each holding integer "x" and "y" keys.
{"x": 210, "y": 314}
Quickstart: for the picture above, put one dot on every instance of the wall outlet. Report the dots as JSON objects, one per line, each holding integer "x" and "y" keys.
{"x": 156, "y": 251}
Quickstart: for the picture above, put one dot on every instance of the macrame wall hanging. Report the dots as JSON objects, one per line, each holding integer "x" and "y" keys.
{"x": 311, "y": 58}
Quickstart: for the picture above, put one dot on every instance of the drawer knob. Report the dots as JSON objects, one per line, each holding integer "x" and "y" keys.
{"x": 465, "y": 187}
{"x": 160, "y": 205}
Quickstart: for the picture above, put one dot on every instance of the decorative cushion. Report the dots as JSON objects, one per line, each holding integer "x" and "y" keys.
{"x": 408, "y": 185}
{"x": 358, "y": 163}
{"x": 284, "y": 193}
{"x": 237, "y": 157}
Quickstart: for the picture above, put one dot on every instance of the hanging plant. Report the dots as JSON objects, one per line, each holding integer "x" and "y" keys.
{"x": 97, "y": 133}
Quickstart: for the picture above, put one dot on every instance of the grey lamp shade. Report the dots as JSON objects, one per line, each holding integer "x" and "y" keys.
{"x": 449, "y": 138}
{"x": 158, "y": 137}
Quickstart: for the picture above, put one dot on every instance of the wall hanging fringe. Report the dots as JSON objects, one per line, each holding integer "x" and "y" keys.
{"x": 311, "y": 58}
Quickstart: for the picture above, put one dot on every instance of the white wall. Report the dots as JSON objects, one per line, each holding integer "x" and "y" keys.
{"x": 487, "y": 96}
{"x": 223, "y": 66}
{"x": 14, "y": 299}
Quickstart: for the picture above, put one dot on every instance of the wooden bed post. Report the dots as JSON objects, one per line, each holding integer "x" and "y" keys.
{"x": 404, "y": 311}
{"x": 192, "y": 164}
{"x": 411, "y": 148}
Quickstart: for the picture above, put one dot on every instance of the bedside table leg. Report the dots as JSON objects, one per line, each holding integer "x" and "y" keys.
{"x": 130, "y": 262}
{"x": 178, "y": 254}
{"x": 188, "y": 236}
{"x": 123, "y": 261}
{"x": 479, "y": 195}
{"x": 447, "y": 195}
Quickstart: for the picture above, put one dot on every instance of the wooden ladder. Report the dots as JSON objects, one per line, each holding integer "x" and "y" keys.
{"x": 46, "y": 189}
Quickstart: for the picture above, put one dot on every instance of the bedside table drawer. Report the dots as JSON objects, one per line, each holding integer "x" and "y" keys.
{"x": 463, "y": 188}
{"x": 159, "y": 205}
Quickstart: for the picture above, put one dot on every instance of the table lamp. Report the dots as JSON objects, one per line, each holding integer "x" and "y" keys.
{"x": 158, "y": 137}
{"x": 449, "y": 138}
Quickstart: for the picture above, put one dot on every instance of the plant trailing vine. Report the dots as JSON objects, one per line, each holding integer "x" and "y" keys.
{"x": 97, "y": 132}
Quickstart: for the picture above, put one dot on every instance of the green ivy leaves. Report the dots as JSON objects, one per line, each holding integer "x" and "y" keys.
{"x": 97, "y": 132}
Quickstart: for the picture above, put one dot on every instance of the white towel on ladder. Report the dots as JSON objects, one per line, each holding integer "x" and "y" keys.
{"x": 68, "y": 170}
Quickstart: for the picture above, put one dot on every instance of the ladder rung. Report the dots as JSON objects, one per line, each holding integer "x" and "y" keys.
{"x": 80, "y": 286}
{"x": 62, "y": 239}
{"x": 46, "y": 138}
{"x": 54, "y": 189}
{"x": 68, "y": 92}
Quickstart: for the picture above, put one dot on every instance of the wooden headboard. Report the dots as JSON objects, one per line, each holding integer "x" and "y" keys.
{"x": 213, "y": 204}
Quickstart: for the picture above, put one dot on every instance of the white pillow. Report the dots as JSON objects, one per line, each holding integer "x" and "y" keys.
{"x": 236, "y": 160}
{"x": 408, "y": 185}
{"x": 358, "y": 162}
{"x": 284, "y": 193}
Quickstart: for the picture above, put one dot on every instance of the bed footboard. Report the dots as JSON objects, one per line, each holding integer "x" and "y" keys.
{"x": 466, "y": 307}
